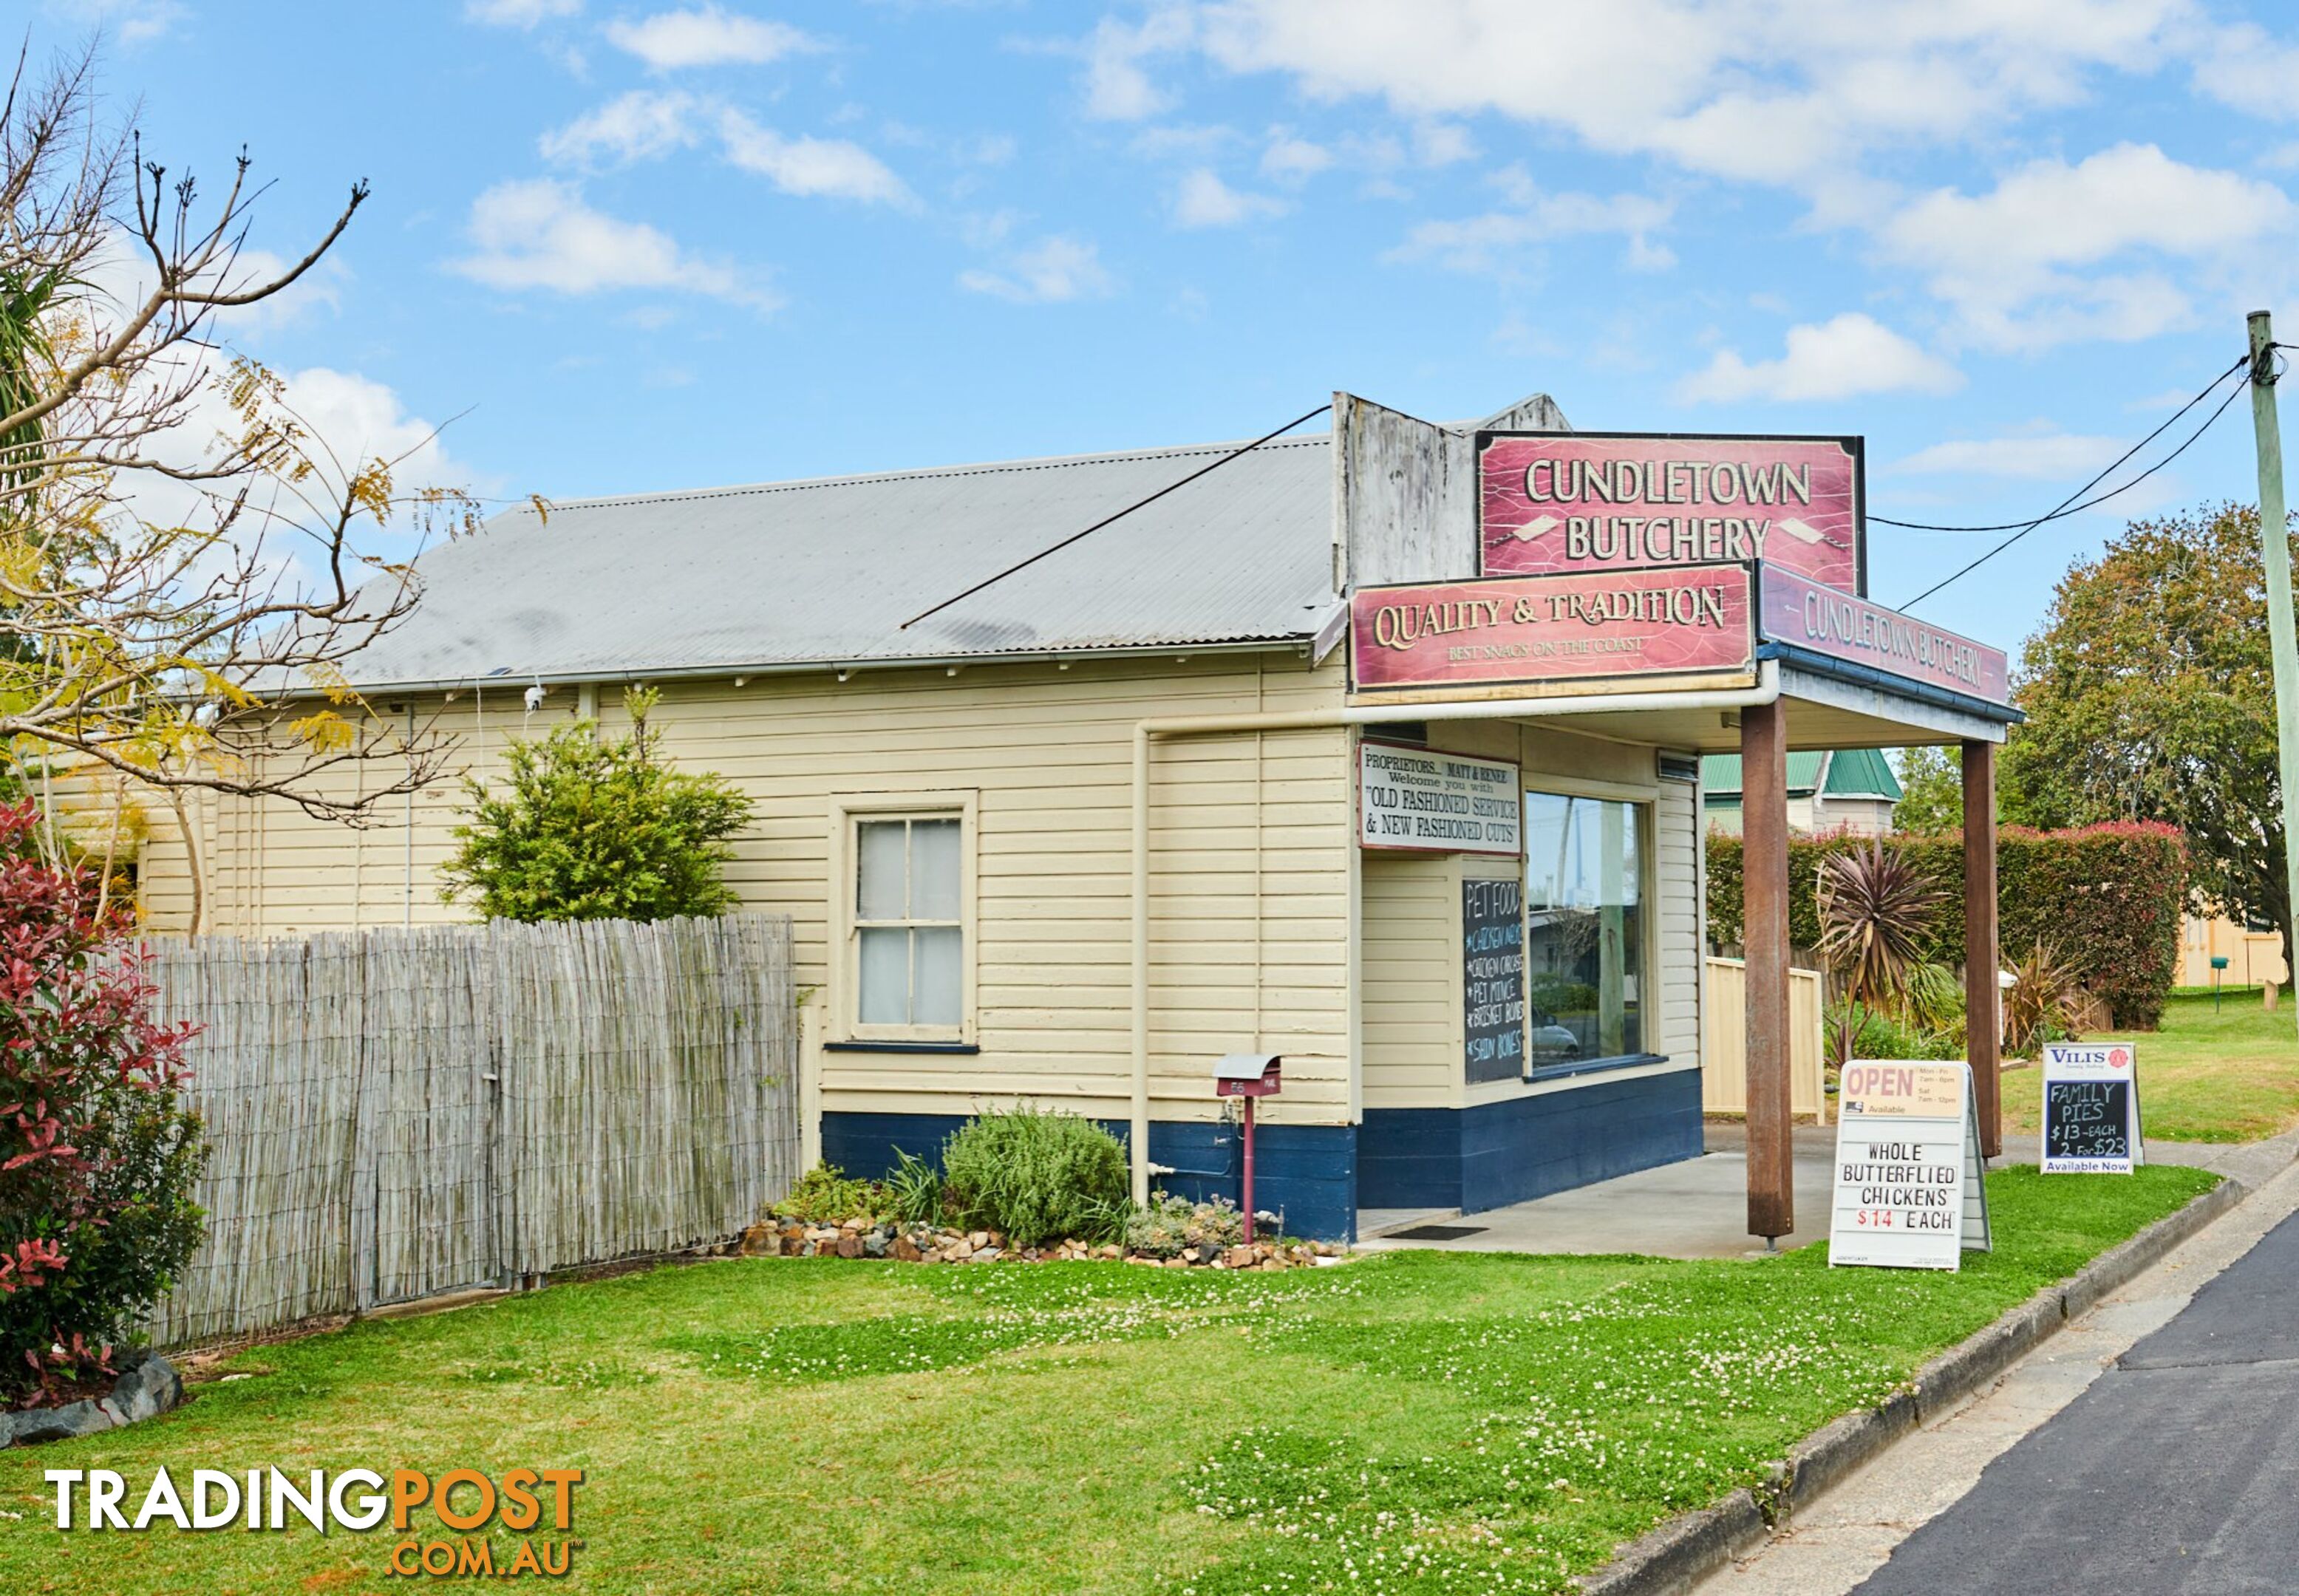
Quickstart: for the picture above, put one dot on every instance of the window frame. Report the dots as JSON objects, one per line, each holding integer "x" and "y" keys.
{"x": 1644, "y": 807}
{"x": 849, "y": 812}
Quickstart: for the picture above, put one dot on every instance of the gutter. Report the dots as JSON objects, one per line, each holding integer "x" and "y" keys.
{"x": 1767, "y": 691}
{"x": 1293, "y": 643}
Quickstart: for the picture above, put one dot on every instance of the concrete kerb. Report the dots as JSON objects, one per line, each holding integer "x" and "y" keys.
{"x": 1673, "y": 1557}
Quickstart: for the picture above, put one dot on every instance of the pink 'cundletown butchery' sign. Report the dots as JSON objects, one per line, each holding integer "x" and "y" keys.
{"x": 1627, "y": 625}
{"x": 1804, "y": 614}
{"x": 1615, "y": 501}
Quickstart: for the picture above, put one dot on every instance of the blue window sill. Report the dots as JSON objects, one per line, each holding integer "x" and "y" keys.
{"x": 957, "y": 1047}
{"x": 1594, "y": 1066}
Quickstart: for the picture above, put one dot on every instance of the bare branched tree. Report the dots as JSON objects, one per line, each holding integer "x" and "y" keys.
{"x": 185, "y": 566}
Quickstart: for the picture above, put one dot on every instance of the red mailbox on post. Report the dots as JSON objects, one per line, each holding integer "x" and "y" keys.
{"x": 1249, "y": 1076}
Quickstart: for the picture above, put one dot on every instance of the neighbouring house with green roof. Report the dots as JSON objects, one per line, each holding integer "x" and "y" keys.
{"x": 1829, "y": 790}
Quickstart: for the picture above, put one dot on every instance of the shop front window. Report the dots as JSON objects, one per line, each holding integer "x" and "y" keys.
{"x": 1584, "y": 899}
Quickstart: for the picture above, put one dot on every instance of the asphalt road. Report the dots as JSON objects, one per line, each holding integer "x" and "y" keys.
{"x": 2176, "y": 1471}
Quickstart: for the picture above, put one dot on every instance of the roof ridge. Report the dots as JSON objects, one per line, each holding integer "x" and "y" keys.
{"x": 983, "y": 468}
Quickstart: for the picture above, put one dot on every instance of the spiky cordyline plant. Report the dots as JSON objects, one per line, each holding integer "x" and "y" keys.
{"x": 1875, "y": 907}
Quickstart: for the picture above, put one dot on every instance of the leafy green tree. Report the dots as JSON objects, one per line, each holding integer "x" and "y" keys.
{"x": 594, "y": 828}
{"x": 2150, "y": 695}
{"x": 1931, "y": 792}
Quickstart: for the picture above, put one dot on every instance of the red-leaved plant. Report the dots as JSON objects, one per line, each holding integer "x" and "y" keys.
{"x": 98, "y": 1152}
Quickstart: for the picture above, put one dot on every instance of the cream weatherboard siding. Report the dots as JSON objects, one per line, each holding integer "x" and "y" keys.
{"x": 1412, "y": 980}
{"x": 1251, "y": 842}
{"x": 1412, "y": 975}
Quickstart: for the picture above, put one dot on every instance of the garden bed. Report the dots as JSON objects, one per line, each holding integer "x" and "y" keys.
{"x": 862, "y": 1237}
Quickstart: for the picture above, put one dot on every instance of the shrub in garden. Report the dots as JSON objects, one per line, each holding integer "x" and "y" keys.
{"x": 2115, "y": 892}
{"x": 1857, "y": 1031}
{"x": 592, "y": 828}
{"x": 97, "y": 1154}
{"x": 2041, "y": 1005}
{"x": 915, "y": 1193}
{"x": 823, "y": 1195}
{"x": 1170, "y": 1223}
{"x": 1037, "y": 1177}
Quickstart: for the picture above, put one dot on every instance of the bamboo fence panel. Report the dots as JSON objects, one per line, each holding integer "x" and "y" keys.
{"x": 396, "y": 1113}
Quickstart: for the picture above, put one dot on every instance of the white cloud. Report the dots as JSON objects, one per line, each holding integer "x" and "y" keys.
{"x": 1847, "y": 355}
{"x": 363, "y": 419}
{"x": 2243, "y": 66}
{"x": 1052, "y": 270}
{"x": 809, "y": 166}
{"x": 2050, "y": 455}
{"x": 1195, "y": 143}
{"x": 1778, "y": 93}
{"x": 644, "y": 124}
{"x": 1442, "y": 144}
{"x": 541, "y": 233}
{"x": 131, "y": 22}
{"x": 1291, "y": 159}
{"x": 1117, "y": 87}
{"x": 705, "y": 36}
{"x": 349, "y": 418}
{"x": 641, "y": 125}
{"x": 2012, "y": 261}
{"x": 518, "y": 13}
{"x": 1496, "y": 241}
{"x": 1204, "y": 201}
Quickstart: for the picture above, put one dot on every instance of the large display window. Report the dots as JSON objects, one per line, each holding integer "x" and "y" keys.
{"x": 1585, "y": 893}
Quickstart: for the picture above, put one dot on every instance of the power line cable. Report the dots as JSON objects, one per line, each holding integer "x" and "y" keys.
{"x": 2068, "y": 509}
{"x": 1119, "y": 516}
{"x": 2070, "y": 505}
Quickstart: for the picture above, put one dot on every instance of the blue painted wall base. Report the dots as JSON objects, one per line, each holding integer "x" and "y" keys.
{"x": 1317, "y": 1176}
{"x": 1307, "y": 1173}
{"x": 1502, "y": 1153}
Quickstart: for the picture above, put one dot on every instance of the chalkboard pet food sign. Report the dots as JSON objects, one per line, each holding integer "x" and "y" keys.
{"x": 1492, "y": 980}
{"x": 2091, "y": 1108}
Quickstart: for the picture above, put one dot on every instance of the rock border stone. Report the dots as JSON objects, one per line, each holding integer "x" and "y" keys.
{"x": 1673, "y": 1557}
{"x": 863, "y": 1237}
{"x": 147, "y": 1387}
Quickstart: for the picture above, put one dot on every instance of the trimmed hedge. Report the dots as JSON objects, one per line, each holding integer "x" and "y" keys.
{"x": 2109, "y": 897}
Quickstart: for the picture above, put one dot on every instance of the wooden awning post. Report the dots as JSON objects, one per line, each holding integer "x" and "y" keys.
{"x": 1765, "y": 885}
{"x": 1983, "y": 1000}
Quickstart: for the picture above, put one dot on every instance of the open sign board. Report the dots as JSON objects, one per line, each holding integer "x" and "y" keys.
{"x": 1908, "y": 1188}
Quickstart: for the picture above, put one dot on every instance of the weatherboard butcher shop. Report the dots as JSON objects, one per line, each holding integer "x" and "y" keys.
{"x": 1375, "y": 753}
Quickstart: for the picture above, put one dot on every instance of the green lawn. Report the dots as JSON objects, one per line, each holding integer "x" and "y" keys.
{"x": 2229, "y": 1076}
{"x": 1435, "y": 1421}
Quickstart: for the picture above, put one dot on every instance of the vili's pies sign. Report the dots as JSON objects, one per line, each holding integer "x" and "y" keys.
{"x": 1574, "y": 627}
{"x": 1555, "y": 502}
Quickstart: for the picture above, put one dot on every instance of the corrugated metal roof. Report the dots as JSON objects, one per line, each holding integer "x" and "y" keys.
{"x": 1862, "y": 773}
{"x": 1720, "y": 773}
{"x": 825, "y": 571}
{"x": 1851, "y": 772}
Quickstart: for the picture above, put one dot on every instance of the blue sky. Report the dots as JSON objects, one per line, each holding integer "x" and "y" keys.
{"x": 635, "y": 245}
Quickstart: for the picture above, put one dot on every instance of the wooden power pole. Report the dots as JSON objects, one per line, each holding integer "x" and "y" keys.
{"x": 2275, "y": 552}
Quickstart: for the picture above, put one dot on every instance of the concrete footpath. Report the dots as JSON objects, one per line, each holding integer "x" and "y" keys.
{"x": 2153, "y": 1445}
{"x": 1698, "y": 1208}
